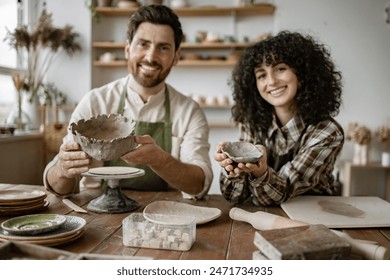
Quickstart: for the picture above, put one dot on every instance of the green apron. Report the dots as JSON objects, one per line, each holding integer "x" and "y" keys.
{"x": 161, "y": 132}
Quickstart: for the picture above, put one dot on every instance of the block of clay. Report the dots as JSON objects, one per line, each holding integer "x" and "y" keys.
{"x": 311, "y": 242}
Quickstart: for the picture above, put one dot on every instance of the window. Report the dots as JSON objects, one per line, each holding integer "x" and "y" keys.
{"x": 11, "y": 14}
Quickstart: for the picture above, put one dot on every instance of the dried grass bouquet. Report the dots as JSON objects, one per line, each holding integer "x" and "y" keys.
{"x": 359, "y": 134}
{"x": 382, "y": 134}
{"x": 39, "y": 46}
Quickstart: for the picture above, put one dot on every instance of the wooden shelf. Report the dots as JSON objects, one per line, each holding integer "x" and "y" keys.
{"x": 181, "y": 63}
{"x": 108, "y": 45}
{"x": 261, "y": 9}
{"x": 115, "y": 63}
{"x": 216, "y": 106}
{"x": 121, "y": 45}
{"x": 222, "y": 124}
{"x": 207, "y": 63}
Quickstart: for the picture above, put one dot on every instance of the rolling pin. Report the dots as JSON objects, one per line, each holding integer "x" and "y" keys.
{"x": 266, "y": 221}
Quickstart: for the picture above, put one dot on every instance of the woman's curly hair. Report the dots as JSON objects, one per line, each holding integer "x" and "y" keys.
{"x": 319, "y": 89}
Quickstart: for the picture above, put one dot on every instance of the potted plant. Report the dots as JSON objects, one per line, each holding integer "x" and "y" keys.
{"x": 382, "y": 133}
{"x": 38, "y": 47}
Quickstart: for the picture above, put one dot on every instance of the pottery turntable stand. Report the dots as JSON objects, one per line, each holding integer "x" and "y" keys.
{"x": 112, "y": 200}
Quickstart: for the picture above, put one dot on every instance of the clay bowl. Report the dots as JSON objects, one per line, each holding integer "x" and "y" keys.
{"x": 244, "y": 152}
{"x": 105, "y": 137}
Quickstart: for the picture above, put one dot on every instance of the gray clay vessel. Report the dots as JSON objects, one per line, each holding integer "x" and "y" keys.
{"x": 105, "y": 137}
{"x": 242, "y": 152}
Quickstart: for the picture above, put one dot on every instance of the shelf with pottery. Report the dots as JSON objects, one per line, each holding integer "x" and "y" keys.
{"x": 181, "y": 63}
{"x": 219, "y": 62}
{"x": 203, "y": 45}
{"x": 222, "y": 124}
{"x": 260, "y": 9}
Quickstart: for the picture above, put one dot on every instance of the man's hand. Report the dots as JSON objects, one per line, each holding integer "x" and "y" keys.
{"x": 72, "y": 160}
{"x": 146, "y": 153}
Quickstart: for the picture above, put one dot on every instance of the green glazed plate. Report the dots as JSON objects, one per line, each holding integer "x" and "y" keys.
{"x": 33, "y": 224}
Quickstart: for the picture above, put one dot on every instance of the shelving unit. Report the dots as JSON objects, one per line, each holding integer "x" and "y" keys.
{"x": 107, "y": 45}
{"x": 261, "y": 9}
{"x": 105, "y": 69}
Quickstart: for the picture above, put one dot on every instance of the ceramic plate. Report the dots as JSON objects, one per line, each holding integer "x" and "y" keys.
{"x": 33, "y": 224}
{"x": 18, "y": 195}
{"x": 22, "y": 202}
{"x": 24, "y": 210}
{"x": 72, "y": 228}
{"x": 23, "y": 206}
{"x": 202, "y": 215}
{"x": 113, "y": 170}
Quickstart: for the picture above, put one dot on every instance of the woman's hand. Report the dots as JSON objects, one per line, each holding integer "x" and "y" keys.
{"x": 235, "y": 169}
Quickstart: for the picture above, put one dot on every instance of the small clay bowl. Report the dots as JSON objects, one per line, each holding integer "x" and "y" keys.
{"x": 105, "y": 137}
{"x": 244, "y": 152}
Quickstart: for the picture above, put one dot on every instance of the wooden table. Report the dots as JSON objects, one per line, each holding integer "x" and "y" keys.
{"x": 220, "y": 239}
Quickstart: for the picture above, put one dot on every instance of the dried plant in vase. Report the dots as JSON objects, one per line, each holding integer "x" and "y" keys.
{"x": 39, "y": 46}
{"x": 18, "y": 80}
{"x": 382, "y": 134}
{"x": 361, "y": 136}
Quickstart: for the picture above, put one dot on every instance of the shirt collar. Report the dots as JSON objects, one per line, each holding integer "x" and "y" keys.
{"x": 293, "y": 127}
{"x": 159, "y": 97}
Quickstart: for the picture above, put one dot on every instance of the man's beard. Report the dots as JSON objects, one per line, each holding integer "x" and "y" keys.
{"x": 148, "y": 81}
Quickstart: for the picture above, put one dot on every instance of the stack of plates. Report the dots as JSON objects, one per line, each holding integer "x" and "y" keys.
{"x": 61, "y": 230}
{"x": 20, "y": 202}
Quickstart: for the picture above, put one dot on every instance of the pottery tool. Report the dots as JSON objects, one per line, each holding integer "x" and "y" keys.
{"x": 73, "y": 206}
{"x": 266, "y": 221}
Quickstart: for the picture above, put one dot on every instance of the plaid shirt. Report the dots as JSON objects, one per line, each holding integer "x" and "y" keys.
{"x": 309, "y": 172}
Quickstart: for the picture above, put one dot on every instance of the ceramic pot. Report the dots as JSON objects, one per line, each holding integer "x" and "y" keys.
{"x": 361, "y": 154}
{"x": 385, "y": 159}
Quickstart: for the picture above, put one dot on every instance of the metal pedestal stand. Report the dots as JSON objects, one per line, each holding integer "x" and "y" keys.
{"x": 112, "y": 200}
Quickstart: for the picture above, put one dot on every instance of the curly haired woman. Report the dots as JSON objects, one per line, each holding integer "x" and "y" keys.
{"x": 286, "y": 91}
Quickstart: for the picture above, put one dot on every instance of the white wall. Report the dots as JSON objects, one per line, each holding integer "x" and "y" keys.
{"x": 355, "y": 31}
{"x": 72, "y": 75}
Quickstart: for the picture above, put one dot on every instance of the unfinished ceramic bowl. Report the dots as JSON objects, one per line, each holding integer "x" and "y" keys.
{"x": 242, "y": 152}
{"x": 105, "y": 137}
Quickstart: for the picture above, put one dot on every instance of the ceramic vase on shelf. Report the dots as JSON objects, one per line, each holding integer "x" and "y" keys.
{"x": 19, "y": 119}
{"x": 31, "y": 107}
{"x": 361, "y": 154}
{"x": 385, "y": 159}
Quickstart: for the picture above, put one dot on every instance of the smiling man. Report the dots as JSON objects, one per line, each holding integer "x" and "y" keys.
{"x": 171, "y": 129}
{"x": 287, "y": 91}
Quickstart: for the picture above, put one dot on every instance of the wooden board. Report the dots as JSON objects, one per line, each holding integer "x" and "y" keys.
{"x": 339, "y": 211}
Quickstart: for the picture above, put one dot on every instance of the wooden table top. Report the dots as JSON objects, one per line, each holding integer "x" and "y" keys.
{"x": 219, "y": 239}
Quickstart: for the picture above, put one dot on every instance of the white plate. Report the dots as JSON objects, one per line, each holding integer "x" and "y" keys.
{"x": 113, "y": 170}
{"x": 202, "y": 215}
